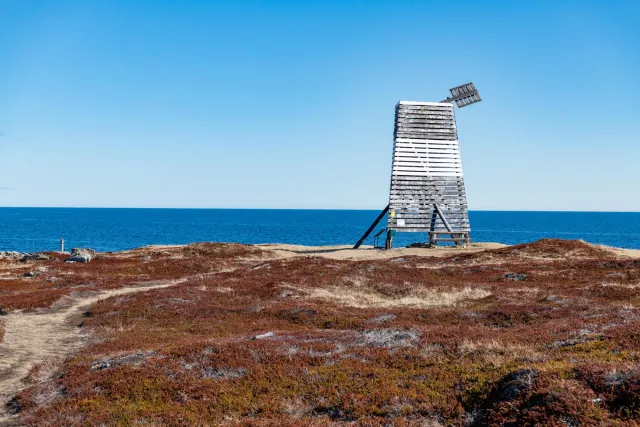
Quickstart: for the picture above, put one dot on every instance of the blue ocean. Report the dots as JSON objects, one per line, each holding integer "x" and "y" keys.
{"x": 40, "y": 229}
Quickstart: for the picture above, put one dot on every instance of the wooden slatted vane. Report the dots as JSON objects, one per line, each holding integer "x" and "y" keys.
{"x": 464, "y": 95}
{"x": 427, "y": 191}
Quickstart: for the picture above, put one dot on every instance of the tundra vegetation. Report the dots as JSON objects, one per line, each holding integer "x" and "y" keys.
{"x": 546, "y": 333}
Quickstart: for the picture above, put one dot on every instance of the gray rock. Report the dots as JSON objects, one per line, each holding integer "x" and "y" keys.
{"x": 556, "y": 299}
{"x": 11, "y": 255}
{"x": 390, "y": 338}
{"x": 516, "y": 383}
{"x": 472, "y": 314}
{"x": 133, "y": 359}
{"x": 13, "y": 406}
{"x": 422, "y": 245}
{"x": 100, "y": 366}
{"x": 35, "y": 257}
{"x": 81, "y": 255}
{"x": 382, "y": 318}
{"x": 584, "y": 336}
{"x": 516, "y": 276}
{"x": 223, "y": 373}
{"x": 29, "y": 274}
{"x": 263, "y": 336}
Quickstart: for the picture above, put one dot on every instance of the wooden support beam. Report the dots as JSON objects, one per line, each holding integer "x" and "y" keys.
{"x": 370, "y": 229}
{"x": 444, "y": 220}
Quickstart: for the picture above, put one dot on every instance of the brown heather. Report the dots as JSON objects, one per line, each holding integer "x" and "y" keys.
{"x": 408, "y": 341}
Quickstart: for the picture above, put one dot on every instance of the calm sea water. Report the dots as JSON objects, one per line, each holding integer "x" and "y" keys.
{"x": 39, "y": 229}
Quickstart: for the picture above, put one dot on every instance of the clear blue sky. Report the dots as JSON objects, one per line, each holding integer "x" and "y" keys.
{"x": 289, "y": 104}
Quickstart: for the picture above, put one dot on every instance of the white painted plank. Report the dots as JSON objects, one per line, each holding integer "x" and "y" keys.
{"x": 423, "y": 141}
{"x": 400, "y": 173}
{"x": 445, "y": 162}
{"x": 435, "y": 104}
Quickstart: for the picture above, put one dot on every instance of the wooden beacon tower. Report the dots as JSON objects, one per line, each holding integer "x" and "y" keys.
{"x": 427, "y": 191}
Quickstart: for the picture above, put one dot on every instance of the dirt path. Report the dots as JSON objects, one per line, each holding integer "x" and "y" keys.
{"x": 33, "y": 338}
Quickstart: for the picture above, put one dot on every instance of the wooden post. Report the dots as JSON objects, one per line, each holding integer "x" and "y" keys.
{"x": 61, "y": 245}
{"x": 388, "y": 241}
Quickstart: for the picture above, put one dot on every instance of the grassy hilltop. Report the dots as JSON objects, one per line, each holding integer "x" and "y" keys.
{"x": 545, "y": 333}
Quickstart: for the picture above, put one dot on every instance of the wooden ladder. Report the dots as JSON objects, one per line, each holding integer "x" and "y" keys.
{"x": 460, "y": 238}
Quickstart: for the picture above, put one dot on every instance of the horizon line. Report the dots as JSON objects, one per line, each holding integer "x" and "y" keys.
{"x": 294, "y": 209}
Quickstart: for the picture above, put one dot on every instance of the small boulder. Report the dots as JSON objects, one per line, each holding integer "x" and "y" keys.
{"x": 390, "y": 338}
{"x": 29, "y": 274}
{"x": 133, "y": 359}
{"x": 514, "y": 384}
{"x": 3, "y": 312}
{"x": 223, "y": 373}
{"x": 516, "y": 276}
{"x": 81, "y": 255}
{"x": 263, "y": 336}
{"x": 14, "y": 405}
{"x": 422, "y": 245}
{"x": 35, "y": 257}
{"x": 11, "y": 255}
{"x": 100, "y": 366}
{"x": 556, "y": 299}
{"x": 382, "y": 318}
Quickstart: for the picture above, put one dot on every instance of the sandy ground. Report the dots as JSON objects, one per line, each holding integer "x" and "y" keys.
{"x": 370, "y": 253}
{"x": 625, "y": 253}
{"x": 346, "y": 252}
{"x": 34, "y": 338}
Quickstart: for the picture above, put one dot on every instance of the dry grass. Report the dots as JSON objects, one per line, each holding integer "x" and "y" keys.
{"x": 419, "y": 298}
{"x": 497, "y": 353}
{"x": 621, "y": 285}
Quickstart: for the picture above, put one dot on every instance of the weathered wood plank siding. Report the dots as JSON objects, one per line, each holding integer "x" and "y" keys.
{"x": 426, "y": 170}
